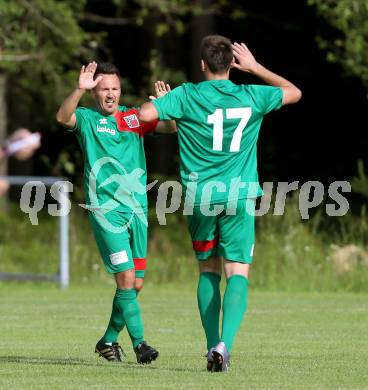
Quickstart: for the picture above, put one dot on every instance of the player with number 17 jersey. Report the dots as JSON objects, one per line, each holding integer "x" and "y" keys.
{"x": 218, "y": 139}
{"x": 218, "y": 124}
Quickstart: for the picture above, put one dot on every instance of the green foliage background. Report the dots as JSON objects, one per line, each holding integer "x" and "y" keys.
{"x": 350, "y": 47}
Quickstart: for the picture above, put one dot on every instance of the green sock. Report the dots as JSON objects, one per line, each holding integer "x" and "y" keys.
{"x": 116, "y": 324}
{"x": 234, "y": 307}
{"x": 128, "y": 304}
{"x": 209, "y": 304}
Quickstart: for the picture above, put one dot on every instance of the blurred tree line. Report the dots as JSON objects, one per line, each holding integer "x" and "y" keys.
{"x": 44, "y": 42}
{"x": 349, "y": 47}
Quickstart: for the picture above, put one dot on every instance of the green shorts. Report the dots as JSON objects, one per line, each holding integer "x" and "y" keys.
{"x": 122, "y": 240}
{"x": 230, "y": 236}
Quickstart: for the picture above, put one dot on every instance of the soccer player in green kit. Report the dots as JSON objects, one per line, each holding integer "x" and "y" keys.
{"x": 111, "y": 138}
{"x": 218, "y": 124}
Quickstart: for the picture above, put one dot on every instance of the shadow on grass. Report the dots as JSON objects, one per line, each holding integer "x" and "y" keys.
{"x": 87, "y": 363}
{"x": 66, "y": 362}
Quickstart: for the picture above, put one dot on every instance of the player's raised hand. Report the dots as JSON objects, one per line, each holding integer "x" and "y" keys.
{"x": 161, "y": 89}
{"x": 86, "y": 80}
{"x": 245, "y": 60}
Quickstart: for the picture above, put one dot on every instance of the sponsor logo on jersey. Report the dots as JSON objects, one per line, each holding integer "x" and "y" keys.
{"x": 103, "y": 121}
{"x": 132, "y": 121}
{"x": 104, "y": 129}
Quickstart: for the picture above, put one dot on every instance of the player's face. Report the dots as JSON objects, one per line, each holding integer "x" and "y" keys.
{"x": 107, "y": 94}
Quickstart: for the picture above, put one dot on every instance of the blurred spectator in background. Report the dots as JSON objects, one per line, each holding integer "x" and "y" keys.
{"x": 21, "y": 144}
{"x": 4, "y": 186}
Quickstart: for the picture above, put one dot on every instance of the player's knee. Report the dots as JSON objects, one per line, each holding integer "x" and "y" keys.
{"x": 139, "y": 284}
{"x": 236, "y": 268}
{"x": 210, "y": 268}
{"x": 125, "y": 279}
{"x": 213, "y": 264}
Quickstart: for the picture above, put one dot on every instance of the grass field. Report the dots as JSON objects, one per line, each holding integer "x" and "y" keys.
{"x": 288, "y": 341}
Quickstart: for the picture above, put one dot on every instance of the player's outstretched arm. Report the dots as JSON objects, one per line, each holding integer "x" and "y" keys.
{"x": 148, "y": 112}
{"x": 246, "y": 62}
{"x": 65, "y": 115}
{"x": 161, "y": 89}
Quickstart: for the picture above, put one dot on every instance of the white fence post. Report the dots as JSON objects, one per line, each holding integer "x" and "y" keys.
{"x": 63, "y": 275}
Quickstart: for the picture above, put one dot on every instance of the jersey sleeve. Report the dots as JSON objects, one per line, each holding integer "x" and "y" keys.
{"x": 172, "y": 105}
{"x": 267, "y": 98}
{"x": 128, "y": 121}
{"x": 80, "y": 114}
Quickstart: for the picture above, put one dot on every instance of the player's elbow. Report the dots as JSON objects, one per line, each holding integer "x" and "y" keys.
{"x": 147, "y": 113}
{"x": 297, "y": 95}
{"x": 60, "y": 118}
{"x": 65, "y": 121}
{"x": 57, "y": 117}
{"x": 144, "y": 114}
{"x": 291, "y": 95}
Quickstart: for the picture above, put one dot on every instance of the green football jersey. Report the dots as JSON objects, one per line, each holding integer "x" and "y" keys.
{"x": 114, "y": 160}
{"x": 218, "y": 124}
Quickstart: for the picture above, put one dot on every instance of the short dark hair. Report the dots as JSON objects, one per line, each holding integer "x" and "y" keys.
{"x": 106, "y": 68}
{"x": 217, "y": 53}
